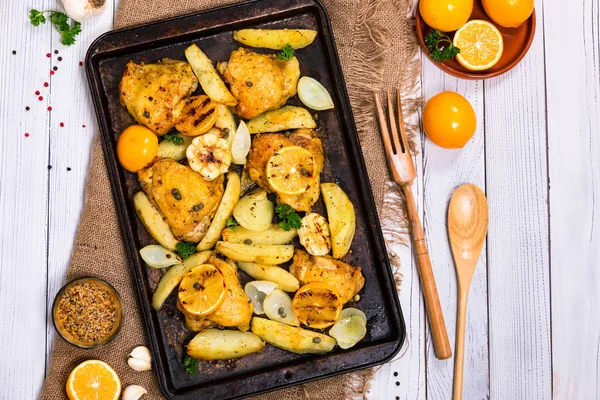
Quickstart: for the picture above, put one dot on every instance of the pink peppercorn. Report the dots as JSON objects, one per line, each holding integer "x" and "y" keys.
{"x": 40, "y": 98}
{"x": 45, "y": 84}
{"x": 37, "y": 92}
{"x": 27, "y": 135}
{"x": 48, "y": 55}
{"x": 51, "y": 72}
{"x": 49, "y": 108}
{"x": 62, "y": 124}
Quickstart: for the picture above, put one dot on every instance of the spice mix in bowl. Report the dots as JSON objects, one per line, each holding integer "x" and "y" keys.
{"x": 87, "y": 312}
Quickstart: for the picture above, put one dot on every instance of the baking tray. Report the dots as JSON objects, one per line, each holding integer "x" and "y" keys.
{"x": 273, "y": 368}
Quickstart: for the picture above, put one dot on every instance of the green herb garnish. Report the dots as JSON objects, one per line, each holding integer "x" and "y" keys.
{"x": 190, "y": 365}
{"x": 232, "y": 223}
{"x": 286, "y": 53}
{"x": 186, "y": 249}
{"x": 175, "y": 139}
{"x": 437, "y": 39}
{"x": 288, "y": 216}
{"x": 60, "y": 21}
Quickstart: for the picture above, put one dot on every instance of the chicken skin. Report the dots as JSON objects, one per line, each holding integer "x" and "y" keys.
{"x": 236, "y": 309}
{"x": 260, "y": 82}
{"x": 155, "y": 94}
{"x": 265, "y": 145}
{"x": 184, "y": 198}
{"x": 344, "y": 278}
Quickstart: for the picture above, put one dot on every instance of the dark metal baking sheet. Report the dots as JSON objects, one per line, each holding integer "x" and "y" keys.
{"x": 273, "y": 368}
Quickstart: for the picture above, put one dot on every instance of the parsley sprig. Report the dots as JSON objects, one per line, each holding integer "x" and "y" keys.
{"x": 175, "y": 139}
{"x": 288, "y": 216}
{"x": 440, "y": 46}
{"x": 190, "y": 365}
{"x": 60, "y": 21}
{"x": 232, "y": 223}
{"x": 186, "y": 249}
{"x": 286, "y": 53}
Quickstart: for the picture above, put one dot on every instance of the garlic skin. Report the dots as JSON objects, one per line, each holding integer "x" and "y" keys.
{"x": 133, "y": 392}
{"x": 82, "y": 10}
{"x": 140, "y": 359}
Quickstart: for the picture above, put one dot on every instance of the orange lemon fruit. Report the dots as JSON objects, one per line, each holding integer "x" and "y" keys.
{"x": 136, "y": 147}
{"x": 449, "y": 120}
{"x": 480, "y": 43}
{"x": 93, "y": 379}
{"x": 508, "y": 13}
{"x": 445, "y": 15}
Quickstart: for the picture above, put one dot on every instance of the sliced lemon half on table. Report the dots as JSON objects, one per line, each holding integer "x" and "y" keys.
{"x": 202, "y": 290}
{"x": 93, "y": 379}
{"x": 480, "y": 43}
{"x": 291, "y": 170}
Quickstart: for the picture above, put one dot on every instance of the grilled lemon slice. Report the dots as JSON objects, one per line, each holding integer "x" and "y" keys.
{"x": 291, "y": 170}
{"x": 317, "y": 305}
{"x": 202, "y": 290}
{"x": 199, "y": 116}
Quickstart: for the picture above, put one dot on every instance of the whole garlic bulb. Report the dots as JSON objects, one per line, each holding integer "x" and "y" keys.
{"x": 133, "y": 392}
{"x": 140, "y": 359}
{"x": 82, "y": 10}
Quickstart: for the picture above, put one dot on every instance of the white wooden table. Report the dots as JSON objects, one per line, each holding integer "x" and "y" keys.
{"x": 534, "y": 311}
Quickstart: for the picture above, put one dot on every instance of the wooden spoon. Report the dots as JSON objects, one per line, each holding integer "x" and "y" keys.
{"x": 467, "y": 228}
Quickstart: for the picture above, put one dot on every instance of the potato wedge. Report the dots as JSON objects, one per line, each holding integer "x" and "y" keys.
{"x": 275, "y": 39}
{"x": 291, "y": 338}
{"x": 153, "y": 221}
{"x": 226, "y": 122}
{"x": 207, "y": 75}
{"x": 168, "y": 149}
{"x": 170, "y": 280}
{"x": 286, "y": 281}
{"x": 217, "y": 344}
{"x": 342, "y": 219}
{"x": 228, "y": 202}
{"x": 273, "y": 235}
{"x": 282, "y": 119}
{"x": 257, "y": 253}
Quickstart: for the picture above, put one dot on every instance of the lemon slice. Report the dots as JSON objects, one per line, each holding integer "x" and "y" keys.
{"x": 257, "y": 291}
{"x": 317, "y": 305}
{"x": 93, "y": 379}
{"x": 291, "y": 170}
{"x": 202, "y": 290}
{"x": 480, "y": 43}
{"x": 240, "y": 146}
{"x": 158, "y": 257}
{"x": 348, "y": 331}
{"x": 278, "y": 307}
{"x": 313, "y": 94}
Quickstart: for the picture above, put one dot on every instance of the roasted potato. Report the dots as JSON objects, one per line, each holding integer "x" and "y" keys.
{"x": 228, "y": 202}
{"x": 217, "y": 344}
{"x": 286, "y": 281}
{"x": 207, "y": 75}
{"x": 257, "y": 253}
{"x": 168, "y": 149}
{"x": 342, "y": 219}
{"x": 254, "y": 211}
{"x": 282, "y": 119}
{"x": 273, "y": 235}
{"x": 153, "y": 221}
{"x": 174, "y": 275}
{"x": 275, "y": 39}
{"x": 291, "y": 338}
{"x": 226, "y": 122}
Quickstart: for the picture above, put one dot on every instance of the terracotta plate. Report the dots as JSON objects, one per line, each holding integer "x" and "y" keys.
{"x": 516, "y": 44}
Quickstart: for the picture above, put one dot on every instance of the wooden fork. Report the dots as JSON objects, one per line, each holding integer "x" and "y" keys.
{"x": 403, "y": 173}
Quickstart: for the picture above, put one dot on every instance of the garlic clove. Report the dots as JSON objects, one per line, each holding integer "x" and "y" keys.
{"x": 82, "y": 10}
{"x": 133, "y": 392}
{"x": 140, "y": 359}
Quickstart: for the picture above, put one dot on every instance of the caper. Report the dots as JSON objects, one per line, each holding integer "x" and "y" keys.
{"x": 248, "y": 241}
{"x": 249, "y": 84}
{"x": 143, "y": 184}
{"x": 317, "y": 340}
{"x": 283, "y": 315}
{"x": 304, "y": 172}
{"x": 146, "y": 114}
{"x": 176, "y": 193}
{"x": 197, "y": 286}
{"x": 198, "y": 207}
{"x": 226, "y": 131}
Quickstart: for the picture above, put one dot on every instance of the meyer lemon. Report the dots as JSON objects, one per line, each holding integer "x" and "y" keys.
{"x": 291, "y": 170}
{"x": 136, "y": 147}
{"x": 445, "y": 15}
{"x": 480, "y": 43}
{"x": 508, "y": 13}
{"x": 449, "y": 120}
{"x": 202, "y": 290}
{"x": 93, "y": 379}
{"x": 317, "y": 305}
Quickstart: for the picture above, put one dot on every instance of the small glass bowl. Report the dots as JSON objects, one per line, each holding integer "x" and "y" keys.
{"x": 66, "y": 335}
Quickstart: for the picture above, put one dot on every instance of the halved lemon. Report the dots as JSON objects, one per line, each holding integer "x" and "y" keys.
{"x": 93, "y": 379}
{"x": 202, "y": 290}
{"x": 317, "y": 305}
{"x": 291, "y": 170}
{"x": 480, "y": 43}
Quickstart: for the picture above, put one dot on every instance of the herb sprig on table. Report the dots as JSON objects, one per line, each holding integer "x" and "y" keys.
{"x": 60, "y": 21}
{"x": 186, "y": 249}
{"x": 286, "y": 53}
{"x": 437, "y": 39}
{"x": 288, "y": 216}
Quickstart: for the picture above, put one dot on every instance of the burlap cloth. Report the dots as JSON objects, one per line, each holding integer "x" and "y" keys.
{"x": 377, "y": 50}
